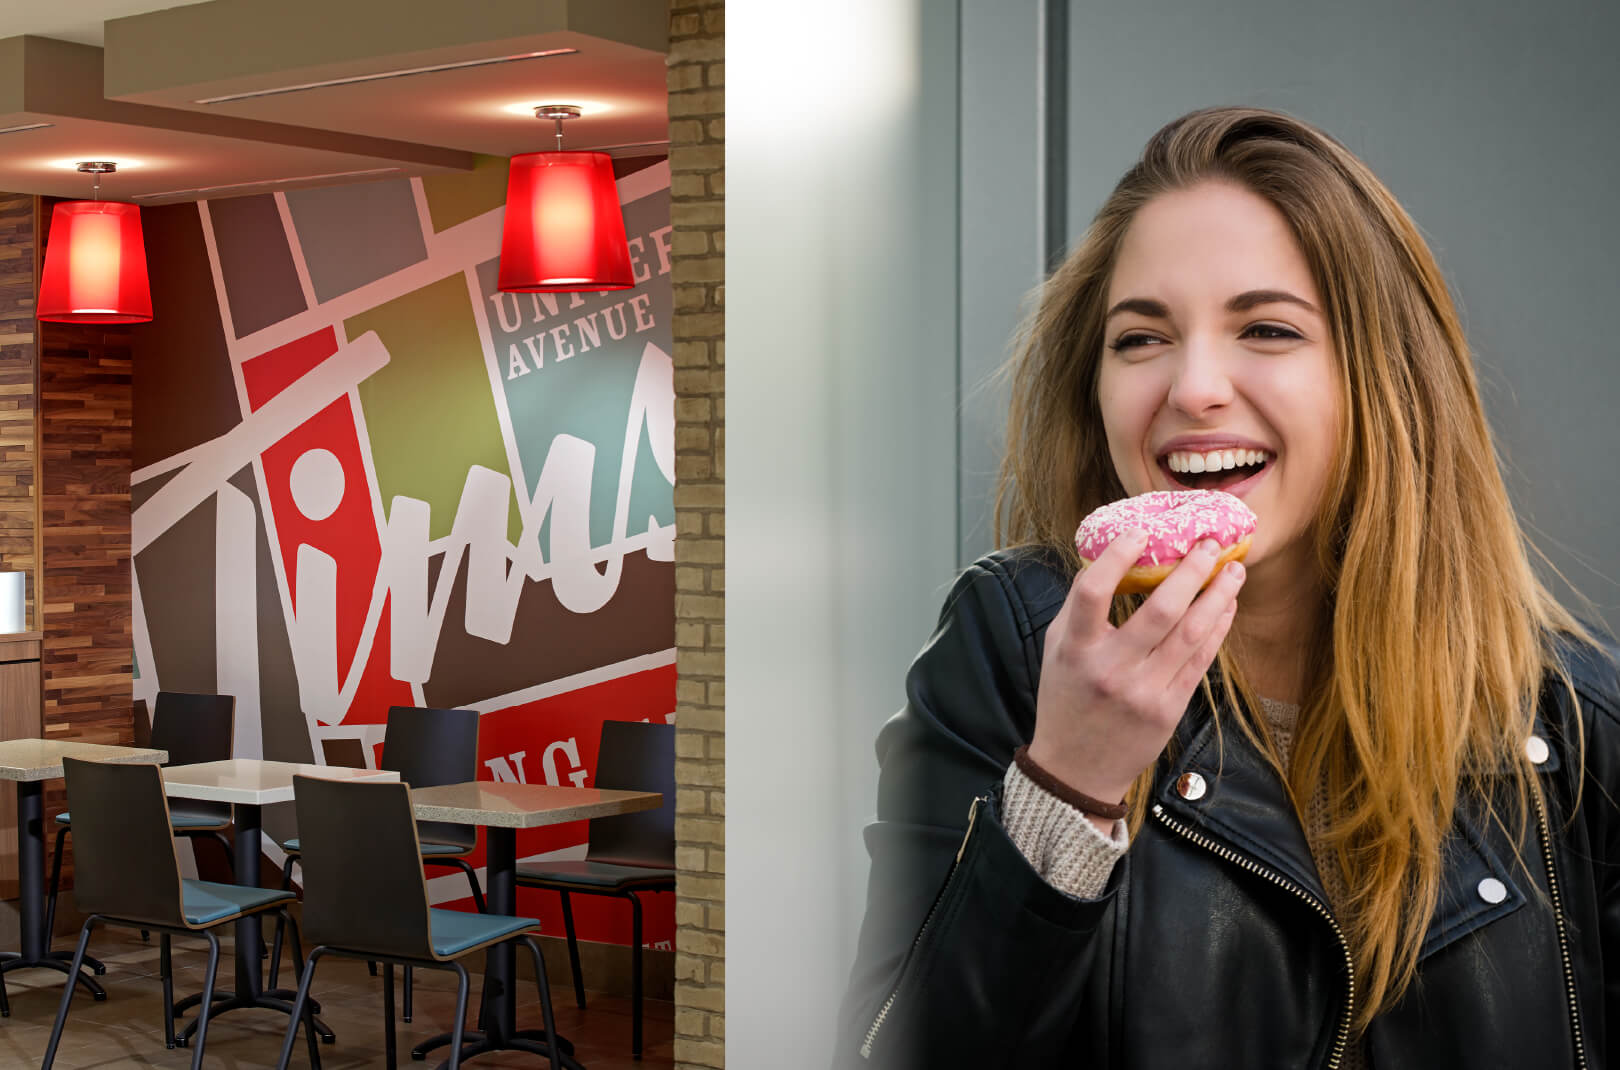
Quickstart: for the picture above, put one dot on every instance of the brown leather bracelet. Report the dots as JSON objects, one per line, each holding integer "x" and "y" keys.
{"x": 1077, "y": 799}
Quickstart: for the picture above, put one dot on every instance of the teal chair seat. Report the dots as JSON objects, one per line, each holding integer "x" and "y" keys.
{"x": 452, "y": 932}
{"x": 179, "y": 817}
{"x": 207, "y": 902}
{"x": 429, "y": 850}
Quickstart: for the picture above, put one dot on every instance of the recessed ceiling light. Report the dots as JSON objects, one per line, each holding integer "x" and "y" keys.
{"x": 121, "y": 163}
{"x": 586, "y": 107}
{"x": 264, "y": 182}
{"x": 380, "y": 75}
{"x": 25, "y": 127}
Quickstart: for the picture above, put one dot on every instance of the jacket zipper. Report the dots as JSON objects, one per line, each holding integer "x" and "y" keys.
{"x": 1563, "y": 936}
{"x": 883, "y": 1012}
{"x": 1251, "y": 866}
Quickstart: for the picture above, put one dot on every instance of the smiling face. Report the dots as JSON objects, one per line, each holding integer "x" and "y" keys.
{"x": 1219, "y": 370}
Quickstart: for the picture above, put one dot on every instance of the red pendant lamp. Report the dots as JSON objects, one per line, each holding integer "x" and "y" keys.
{"x": 564, "y": 231}
{"x": 95, "y": 261}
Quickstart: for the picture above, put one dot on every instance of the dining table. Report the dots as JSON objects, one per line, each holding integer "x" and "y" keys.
{"x": 30, "y": 763}
{"x": 249, "y": 785}
{"x": 504, "y": 807}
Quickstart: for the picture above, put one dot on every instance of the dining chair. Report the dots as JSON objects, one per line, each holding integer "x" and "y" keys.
{"x": 142, "y": 723}
{"x": 192, "y": 728}
{"x": 426, "y": 747}
{"x": 128, "y": 874}
{"x": 365, "y": 897}
{"x": 625, "y": 854}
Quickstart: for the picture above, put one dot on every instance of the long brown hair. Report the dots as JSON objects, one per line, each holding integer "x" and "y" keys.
{"x": 1435, "y": 635}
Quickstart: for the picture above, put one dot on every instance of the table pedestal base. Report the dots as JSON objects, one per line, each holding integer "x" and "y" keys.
{"x": 60, "y": 961}
{"x": 532, "y": 1041}
{"x": 36, "y": 952}
{"x": 275, "y": 999}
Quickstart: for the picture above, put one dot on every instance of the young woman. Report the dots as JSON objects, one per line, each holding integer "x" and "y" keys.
{"x": 1368, "y": 784}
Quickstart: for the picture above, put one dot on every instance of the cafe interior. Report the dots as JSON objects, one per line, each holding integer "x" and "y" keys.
{"x": 337, "y": 582}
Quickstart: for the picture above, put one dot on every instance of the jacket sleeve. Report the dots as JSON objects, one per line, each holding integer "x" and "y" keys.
{"x": 966, "y": 956}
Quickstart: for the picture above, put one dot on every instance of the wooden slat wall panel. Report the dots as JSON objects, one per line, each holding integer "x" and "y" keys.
{"x": 86, "y": 404}
{"x": 19, "y": 549}
{"x": 85, "y": 410}
{"x": 19, "y": 508}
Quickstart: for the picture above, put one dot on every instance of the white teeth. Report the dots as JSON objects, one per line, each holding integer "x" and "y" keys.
{"x": 1214, "y": 460}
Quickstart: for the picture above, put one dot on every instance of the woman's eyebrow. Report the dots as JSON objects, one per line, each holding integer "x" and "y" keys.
{"x": 1147, "y": 306}
{"x": 1254, "y": 298}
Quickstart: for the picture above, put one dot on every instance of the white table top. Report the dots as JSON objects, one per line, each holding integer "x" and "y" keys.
{"x": 522, "y": 806}
{"x": 252, "y": 781}
{"x": 41, "y": 759}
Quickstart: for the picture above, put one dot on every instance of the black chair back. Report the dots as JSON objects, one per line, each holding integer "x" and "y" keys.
{"x": 363, "y": 886}
{"x": 195, "y": 729}
{"x": 143, "y": 724}
{"x": 636, "y": 757}
{"x": 428, "y": 748}
{"x": 123, "y": 851}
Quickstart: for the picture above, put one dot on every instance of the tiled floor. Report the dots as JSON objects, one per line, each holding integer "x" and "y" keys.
{"x": 127, "y": 1029}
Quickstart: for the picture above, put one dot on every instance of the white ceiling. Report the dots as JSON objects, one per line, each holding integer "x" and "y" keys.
{"x": 418, "y": 123}
{"x": 72, "y": 20}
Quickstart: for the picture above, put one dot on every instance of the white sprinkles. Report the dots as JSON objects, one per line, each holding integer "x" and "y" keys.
{"x": 1175, "y": 521}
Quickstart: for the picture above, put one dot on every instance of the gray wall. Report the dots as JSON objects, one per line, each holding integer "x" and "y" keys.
{"x": 1494, "y": 124}
{"x": 841, "y": 385}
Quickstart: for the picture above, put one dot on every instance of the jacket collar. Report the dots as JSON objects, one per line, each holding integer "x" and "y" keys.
{"x": 1244, "y": 806}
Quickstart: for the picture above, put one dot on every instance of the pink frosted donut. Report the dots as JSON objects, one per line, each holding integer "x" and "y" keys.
{"x": 1175, "y": 522}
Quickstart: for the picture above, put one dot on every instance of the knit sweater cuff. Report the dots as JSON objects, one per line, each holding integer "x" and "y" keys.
{"x": 1059, "y": 841}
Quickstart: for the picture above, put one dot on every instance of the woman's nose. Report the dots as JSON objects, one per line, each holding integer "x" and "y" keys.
{"x": 1201, "y": 382}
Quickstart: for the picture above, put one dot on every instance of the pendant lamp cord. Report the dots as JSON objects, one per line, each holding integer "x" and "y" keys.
{"x": 559, "y": 133}
{"x": 96, "y": 190}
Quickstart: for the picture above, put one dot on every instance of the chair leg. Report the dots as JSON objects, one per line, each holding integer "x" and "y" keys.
{"x": 301, "y": 1015}
{"x": 67, "y": 994}
{"x": 458, "y": 1030}
{"x": 388, "y": 1014}
{"x": 573, "y": 951}
{"x": 207, "y": 1003}
{"x": 472, "y": 882}
{"x": 166, "y": 970}
{"x": 316, "y": 1026}
{"x": 472, "y": 878}
{"x": 407, "y": 992}
{"x": 547, "y": 1015}
{"x": 56, "y": 883}
{"x": 230, "y": 852}
{"x": 635, "y": 976}
{"x": 281, "y": 923}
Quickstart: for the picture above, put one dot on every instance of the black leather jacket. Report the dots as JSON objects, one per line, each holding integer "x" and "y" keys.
{"x": 1212, "y": 944}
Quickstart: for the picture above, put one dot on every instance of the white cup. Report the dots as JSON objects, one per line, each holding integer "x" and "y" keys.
{"x": 13, "y": 596}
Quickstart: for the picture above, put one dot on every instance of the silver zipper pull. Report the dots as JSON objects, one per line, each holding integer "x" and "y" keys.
{"x": 973, "y": 813}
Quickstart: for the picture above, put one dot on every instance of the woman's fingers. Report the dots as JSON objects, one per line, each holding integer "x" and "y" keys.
{"x": 1206, "y": 628}
{"x": 1166, "y": 607}
{"x": 1084, "y": 615}
{"x": 1188, "y": 634}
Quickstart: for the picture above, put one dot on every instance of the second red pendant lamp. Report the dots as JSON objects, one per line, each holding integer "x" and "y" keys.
{"x": 563, "y": 229}
{"x": 95, "y": 262}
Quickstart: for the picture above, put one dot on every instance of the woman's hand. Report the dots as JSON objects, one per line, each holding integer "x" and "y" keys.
{"x": 1110, "y": 698}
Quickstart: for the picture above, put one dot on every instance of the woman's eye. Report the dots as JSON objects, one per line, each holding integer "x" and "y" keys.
{"x": 1269, "y": 332}
{"x": 1132, "y": 341}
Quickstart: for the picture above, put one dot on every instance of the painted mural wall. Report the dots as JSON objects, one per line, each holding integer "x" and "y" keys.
{"x": 364, "y": 478}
